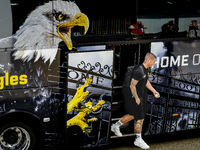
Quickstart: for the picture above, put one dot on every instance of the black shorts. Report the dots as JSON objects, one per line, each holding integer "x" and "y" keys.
{"x": 130, "y": 105}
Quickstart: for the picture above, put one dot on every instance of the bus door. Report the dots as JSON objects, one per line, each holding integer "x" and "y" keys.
{"x": 89, "y": 95}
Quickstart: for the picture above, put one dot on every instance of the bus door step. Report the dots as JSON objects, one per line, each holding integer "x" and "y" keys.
{"x": 125, "y": 135}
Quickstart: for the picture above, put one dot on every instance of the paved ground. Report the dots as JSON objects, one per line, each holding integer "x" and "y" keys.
{"x": 189, "y": 140}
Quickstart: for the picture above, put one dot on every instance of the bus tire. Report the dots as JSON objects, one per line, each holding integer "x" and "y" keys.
{"x": 18, "y": 136}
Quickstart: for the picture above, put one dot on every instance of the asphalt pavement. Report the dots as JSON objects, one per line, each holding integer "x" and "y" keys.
{"x": 187, "y": 140}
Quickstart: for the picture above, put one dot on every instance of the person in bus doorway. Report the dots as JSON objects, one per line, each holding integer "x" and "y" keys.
{"x": 193, "y": 27}
{"x": 137, "y": 30}
{"x": 169, "y": 29}
{"x": 135, "y": 100}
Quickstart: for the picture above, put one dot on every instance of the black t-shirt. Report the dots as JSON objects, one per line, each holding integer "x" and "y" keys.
{"x": 141, "y": 77}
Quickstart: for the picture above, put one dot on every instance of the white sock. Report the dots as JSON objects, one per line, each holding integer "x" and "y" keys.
{"x": 118, "y": 123}
{"x": 138, "y": 136}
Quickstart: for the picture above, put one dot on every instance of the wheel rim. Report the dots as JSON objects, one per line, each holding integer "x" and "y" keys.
{"x": 15, "y": 138}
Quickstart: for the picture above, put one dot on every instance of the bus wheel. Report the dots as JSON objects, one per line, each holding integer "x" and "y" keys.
{"x": 17, "y": 136}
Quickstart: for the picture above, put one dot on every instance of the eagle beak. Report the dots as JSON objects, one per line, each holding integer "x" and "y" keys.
{"x": 64, "y": 30}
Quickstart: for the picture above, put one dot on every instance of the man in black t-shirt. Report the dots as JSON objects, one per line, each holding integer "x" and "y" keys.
{"x": 135, "y": 99}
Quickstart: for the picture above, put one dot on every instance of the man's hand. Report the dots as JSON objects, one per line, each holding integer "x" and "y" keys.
{"x": 156, "y": 94}
{"x": 150, "y": 87}
{"x": 137, "y": 101}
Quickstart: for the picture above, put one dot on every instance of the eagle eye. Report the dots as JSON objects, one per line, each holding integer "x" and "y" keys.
{"x": 60, "y": 16}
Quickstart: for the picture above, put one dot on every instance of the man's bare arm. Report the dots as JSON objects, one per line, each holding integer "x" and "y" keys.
{"x": 134, "y": 91}
{"x": 149, "y": 86}
{"x": 133, "y": 88}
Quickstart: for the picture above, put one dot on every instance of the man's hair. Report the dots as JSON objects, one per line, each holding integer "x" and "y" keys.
{"x": 150, "y": 56}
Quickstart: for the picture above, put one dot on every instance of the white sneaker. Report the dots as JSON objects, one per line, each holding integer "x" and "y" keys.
{"x": 140, "y": 143}
{"x": 116, "y": 130}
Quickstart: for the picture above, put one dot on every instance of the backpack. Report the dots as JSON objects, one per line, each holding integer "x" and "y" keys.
{"x": 127, "y": 77}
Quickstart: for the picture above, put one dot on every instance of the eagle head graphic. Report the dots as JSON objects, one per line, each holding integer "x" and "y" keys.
{"x": 45, "y": 27}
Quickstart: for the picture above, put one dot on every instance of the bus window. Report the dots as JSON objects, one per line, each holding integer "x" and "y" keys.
{"x": 5, "y": 19}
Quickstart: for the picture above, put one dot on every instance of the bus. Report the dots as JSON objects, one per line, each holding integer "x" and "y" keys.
{"x": 61, "y": 75}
